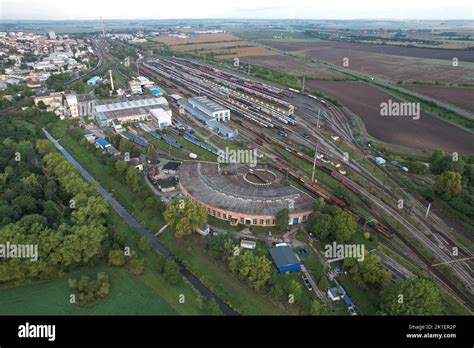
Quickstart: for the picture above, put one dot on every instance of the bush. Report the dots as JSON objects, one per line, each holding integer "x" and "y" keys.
{"x": 116, "y": 258}
{"x": 88, "y": 291}
{"x": 171, "y": 272}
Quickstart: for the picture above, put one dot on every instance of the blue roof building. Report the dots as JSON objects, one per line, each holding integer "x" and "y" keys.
{"x": 102, "y": 143}
{"x": 285, "y": 259}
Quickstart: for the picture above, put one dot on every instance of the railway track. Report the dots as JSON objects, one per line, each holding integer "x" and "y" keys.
{"x": 418, "y": 228}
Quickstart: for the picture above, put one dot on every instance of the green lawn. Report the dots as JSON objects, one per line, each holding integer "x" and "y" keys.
{"x": 127, "y": 296}
{"x": 192, "y": 253}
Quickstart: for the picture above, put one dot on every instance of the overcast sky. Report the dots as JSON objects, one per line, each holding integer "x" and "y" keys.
{"x": 250, "y": 9}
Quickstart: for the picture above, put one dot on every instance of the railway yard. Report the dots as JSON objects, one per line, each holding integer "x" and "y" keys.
{"x": 297, "y": 132}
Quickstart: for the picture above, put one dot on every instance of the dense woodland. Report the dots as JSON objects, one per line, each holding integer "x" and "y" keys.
{"x": 44, "y": 201}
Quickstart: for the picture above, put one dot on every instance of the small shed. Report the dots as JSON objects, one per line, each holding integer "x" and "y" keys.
{"x": 93, "y": 80}
{"x": 285, "y": 259}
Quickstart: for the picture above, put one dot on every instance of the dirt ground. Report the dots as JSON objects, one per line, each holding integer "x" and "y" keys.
{"x": 462, "y": 97}
{"x": 293, "y": 66}
{"x": 393, "y": 67}
{"x": 428, "y": 132}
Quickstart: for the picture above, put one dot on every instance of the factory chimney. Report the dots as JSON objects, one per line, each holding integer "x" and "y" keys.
{"x": 111, "y": 80}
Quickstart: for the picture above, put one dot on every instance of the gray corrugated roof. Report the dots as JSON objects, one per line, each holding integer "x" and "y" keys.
{"x": 233, "y": 193}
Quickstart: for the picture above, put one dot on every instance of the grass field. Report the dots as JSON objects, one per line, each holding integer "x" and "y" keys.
{"x": 127, "y": 296}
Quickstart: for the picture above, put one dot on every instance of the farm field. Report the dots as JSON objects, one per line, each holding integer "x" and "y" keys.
{"x": 292, "y": 65}
{"x": 428, "y": 132}
{"x": 415, "y": 52}
{"x": 245, "y": 52}
{"x": 462, "y": 97}
{"x": 209, "y": 46}
{"x": 52, "y": 298}
{"x": 200, "y": 38}
{"x": 395, "y": 67}
{"x": 223, "y": 46}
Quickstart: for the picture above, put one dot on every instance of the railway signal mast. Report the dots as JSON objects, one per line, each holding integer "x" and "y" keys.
{"x": 314, "y": 162}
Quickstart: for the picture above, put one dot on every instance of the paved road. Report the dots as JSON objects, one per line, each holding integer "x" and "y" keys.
{"x": 196, "y": 283}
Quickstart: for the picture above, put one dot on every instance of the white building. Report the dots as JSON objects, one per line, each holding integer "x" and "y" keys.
{"x": 210, "y": 108}
{"x": 71, "y": 100}
{"x": 135, "y": 87}
{"x": 162, "y": 116}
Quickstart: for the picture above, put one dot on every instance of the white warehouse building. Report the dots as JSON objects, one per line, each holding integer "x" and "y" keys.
{"x": 162, "y": 117}
{"x": 130, "y": 109}
{"x": 210, "y": 108}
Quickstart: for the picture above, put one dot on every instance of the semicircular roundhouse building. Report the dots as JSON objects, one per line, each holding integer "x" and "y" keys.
{"x": 250, "y": 196}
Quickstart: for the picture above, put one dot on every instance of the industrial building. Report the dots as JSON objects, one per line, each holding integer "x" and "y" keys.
{"x": 130, "y": 109}
{"x": 243, "y": 195}
{"x": 210, "y": 108}
{"x": 285, "y": 258}
{"x": 208, "y": 120}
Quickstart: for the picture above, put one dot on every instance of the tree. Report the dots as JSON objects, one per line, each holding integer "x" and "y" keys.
{"x": 332, "y": 223}
{"x": 42, "y": 105}
{"x": 418, "y": 296}
{"x": 144, "y": 244}
{"x": 295, "y": 290}
{"x": 132, "y": 179}
{"x": 368, "y": 271}
{"x": 116, "y": 257}
{"x": 323, "y": 283}
{"x": 44, "y": 147}
{"x": 317, "y": 308}
{"x": 256, "y": 268}
{"x": 212, "y": 308}
{"x": 281, "y": 219}
{"x": 171, "y": 272}
{"x": 79, "y": 86}
{"x": 185, "y": 216}
{"x": 449, "y": 183}
{"x": 137, "y": 266}
{"x": 121, "y": 167}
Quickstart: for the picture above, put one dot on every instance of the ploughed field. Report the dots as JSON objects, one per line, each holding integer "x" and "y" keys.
{"x": 223, "y": 45}
{"x": 292, "y": 65}
{"x": 428, "y": 132}
{"x": 459, "y": 96}
{"x": 388, "y": 62}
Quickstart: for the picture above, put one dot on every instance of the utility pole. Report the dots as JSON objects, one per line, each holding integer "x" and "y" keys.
{"x": 427, "y": 211}
{"x": 248, "y": 69}
{"x": 304, "y": 81}
{"x": 314, "y": 162}
{"x": 317, "y": 122}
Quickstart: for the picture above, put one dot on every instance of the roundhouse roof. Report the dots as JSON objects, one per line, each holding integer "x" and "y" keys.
{"x": 233, "y": 192}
